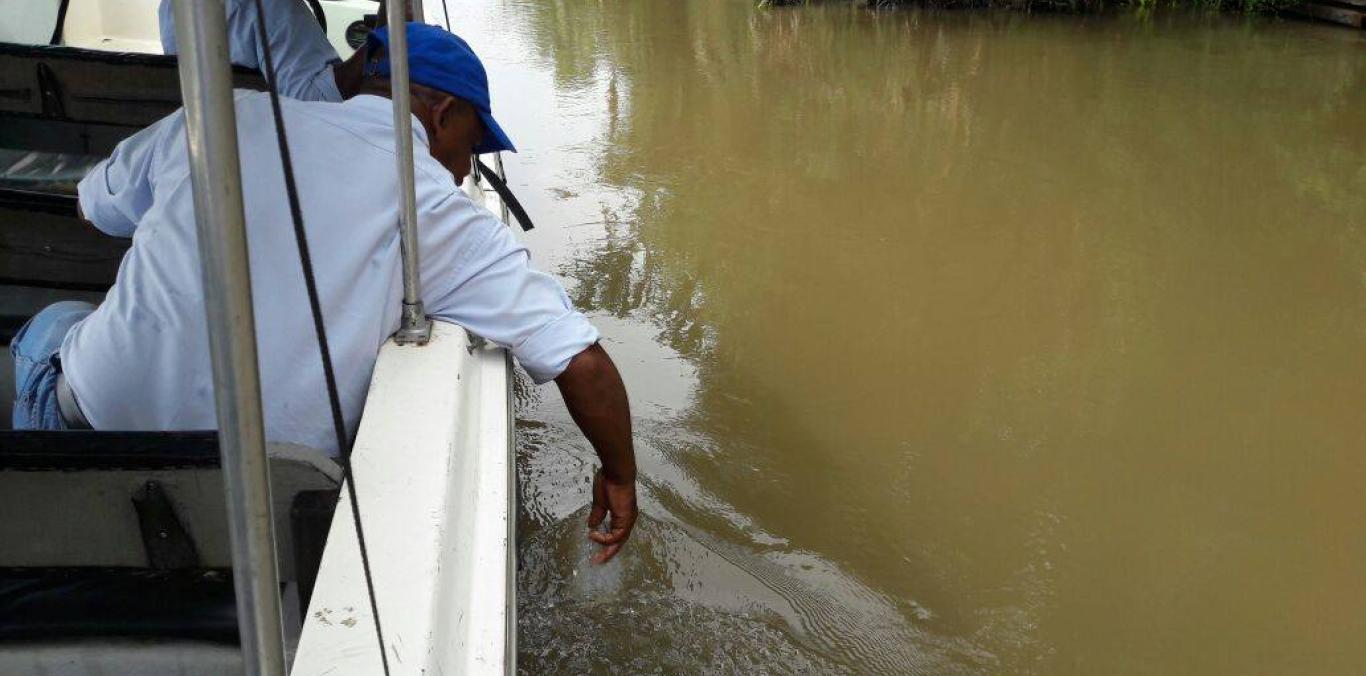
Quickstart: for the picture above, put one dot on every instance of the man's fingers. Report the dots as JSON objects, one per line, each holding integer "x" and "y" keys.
{"x": 599, "y": 511}
{"x": 595, "y": 516}
{"x": 621, "y": 502}
{"x": 606, "y": 554}
{"x": 622, "y": 524}
{"x": 612, "y": 537}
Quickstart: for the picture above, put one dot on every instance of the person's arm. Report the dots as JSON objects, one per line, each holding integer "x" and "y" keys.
{"x": 302, "y": 55}
{"x": 476, "y": 274}
{"x": 596, "y": 398}
{"x": 116, "y": 192}
{"x": 304, "y": 59}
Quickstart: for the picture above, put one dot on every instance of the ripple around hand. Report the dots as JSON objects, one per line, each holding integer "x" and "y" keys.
{"x": 699, "y": 588}
{"x": 627, "y": 616}
{"x": 672, "y": 603}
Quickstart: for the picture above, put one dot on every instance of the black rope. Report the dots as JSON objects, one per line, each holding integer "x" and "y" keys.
{"x": 306, "y": 262}
{"x": 61, "y": 23}
{"x": 501, "y": 187}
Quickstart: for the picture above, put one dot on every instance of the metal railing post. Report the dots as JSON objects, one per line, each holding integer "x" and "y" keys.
{"x": 416, "y": 328}
{"x": 210, "y": 123}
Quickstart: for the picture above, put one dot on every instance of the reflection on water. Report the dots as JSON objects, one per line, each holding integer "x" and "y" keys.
{"x": 958, "y": 342}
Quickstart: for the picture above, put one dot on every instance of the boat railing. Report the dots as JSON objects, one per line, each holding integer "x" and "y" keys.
{"x": 211, "y": 126}
{"x": 415, "y": 328}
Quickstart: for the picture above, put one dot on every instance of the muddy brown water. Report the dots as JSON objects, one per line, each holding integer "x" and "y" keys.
{"x": 961, "y": 342}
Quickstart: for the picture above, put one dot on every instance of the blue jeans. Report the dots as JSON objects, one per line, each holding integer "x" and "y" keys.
{"x": 36, "y": 364}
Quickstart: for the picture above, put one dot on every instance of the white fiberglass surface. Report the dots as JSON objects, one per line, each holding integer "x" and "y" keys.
{"x": 113, "y": 25}
{"x": 342, "y": 14}
{"x": 28, "y": 22}
{"x": 432, "y": 467}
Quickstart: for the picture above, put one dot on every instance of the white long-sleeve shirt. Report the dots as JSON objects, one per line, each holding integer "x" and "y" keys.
{"x": 303, "y": 57}
{"x": 141, "y": 360}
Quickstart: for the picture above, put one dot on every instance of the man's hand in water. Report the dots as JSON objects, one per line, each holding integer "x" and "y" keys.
{"x": 619, "y": 499}
{"x": 596, "y": 399}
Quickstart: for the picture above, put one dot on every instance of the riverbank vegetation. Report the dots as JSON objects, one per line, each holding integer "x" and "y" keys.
{"x": 1248, "y": 6}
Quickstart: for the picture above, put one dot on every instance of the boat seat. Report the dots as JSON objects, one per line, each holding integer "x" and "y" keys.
{"x": 81, "y": 498}
{"x": 72, "y": 100}
{"x": 125, "y": 534}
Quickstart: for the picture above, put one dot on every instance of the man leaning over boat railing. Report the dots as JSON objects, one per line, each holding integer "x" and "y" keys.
{"x": 139, "y": 361}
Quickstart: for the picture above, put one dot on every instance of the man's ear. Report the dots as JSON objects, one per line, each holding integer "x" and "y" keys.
{"x": 371, "y": 56}
{"x": 443, "y": 111}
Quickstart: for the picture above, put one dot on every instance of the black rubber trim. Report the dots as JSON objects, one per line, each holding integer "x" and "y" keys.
{"x": 58, "y": 204}
{"x": 63, "y": 603}
{"x": 83, "y": 54}
{"x": 78, "y": 450}
{"x": 30, "y": 131}
{"x": 32, "y": 283}
{"x": 65, "y": 53}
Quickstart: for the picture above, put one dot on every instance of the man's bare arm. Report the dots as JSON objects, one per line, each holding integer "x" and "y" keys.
{"x": 596, "y": 398}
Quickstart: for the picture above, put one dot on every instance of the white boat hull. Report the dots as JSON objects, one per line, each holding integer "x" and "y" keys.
{"x": 433, "y": 468}
{"x": 434, "y": 465}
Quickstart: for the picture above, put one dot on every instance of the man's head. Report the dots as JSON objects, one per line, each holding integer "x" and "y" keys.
{"x": 450, "y": 94}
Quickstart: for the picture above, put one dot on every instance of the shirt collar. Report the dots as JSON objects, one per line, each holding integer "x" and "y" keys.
{"x": 373, "y": 104}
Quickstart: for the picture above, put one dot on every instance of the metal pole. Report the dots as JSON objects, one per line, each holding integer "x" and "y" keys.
{"x": 416, "y": 328}
{"x": 418, "y": 14}
{"x": 210, "y": 122}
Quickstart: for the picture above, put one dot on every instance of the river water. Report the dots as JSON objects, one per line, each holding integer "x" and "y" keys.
{"x": 963, "y": 342}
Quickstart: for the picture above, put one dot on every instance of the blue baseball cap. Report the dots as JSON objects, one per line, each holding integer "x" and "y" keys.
{"x": 439, "y": 59}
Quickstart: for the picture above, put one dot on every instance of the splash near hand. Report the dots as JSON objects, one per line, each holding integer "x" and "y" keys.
{"x": 618, "y": 498}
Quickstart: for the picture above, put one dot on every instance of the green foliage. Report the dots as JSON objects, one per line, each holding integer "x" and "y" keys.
{"x": 1262, "y": 6}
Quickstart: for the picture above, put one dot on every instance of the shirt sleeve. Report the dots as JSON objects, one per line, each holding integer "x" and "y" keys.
{"x": 118, "y": 191}
{"x": 484, "y": 282}
{"x": 303, "y": 57}
{"x": 166, "y": 25}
